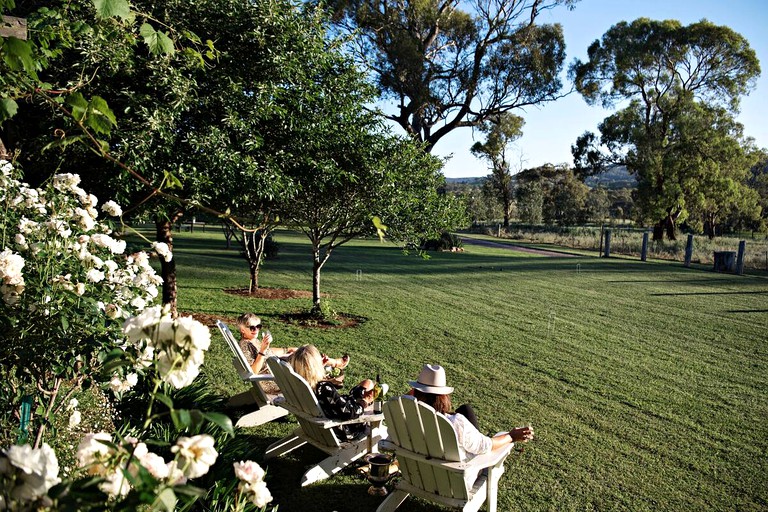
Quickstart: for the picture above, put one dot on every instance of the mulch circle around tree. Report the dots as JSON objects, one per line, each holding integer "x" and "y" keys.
{"x": 300, "y": 318}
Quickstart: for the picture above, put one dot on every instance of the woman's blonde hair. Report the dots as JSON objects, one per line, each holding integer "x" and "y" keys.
{"x": 308, "y": 363}
{"x": 245, "y": 319}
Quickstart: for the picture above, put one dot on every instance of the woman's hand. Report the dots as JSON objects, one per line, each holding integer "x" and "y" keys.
{"x": 521, "y": 434}
{"x": 265, "y": 342}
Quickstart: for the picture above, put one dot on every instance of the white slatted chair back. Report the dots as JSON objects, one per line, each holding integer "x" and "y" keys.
{"x": 239, "y": 361}
{"x": 301, "y": 399}
{"x": 418, "y": 428}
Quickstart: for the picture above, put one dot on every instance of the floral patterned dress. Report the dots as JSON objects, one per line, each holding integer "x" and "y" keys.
{"x": 342, "y": 407}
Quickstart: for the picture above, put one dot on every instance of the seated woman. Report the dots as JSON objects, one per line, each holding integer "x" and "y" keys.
{"x": 307, "y": 362}
{"x": 257, "y": 350}
{"x": 430, "y": 388}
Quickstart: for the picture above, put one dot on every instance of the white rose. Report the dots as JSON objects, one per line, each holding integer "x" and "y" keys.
{"x": 258, "y": 493}
{"x": 249, "y": 471}
{"x": 196, "y": 454}
{"x": 162, "y": 250}
{"x": 95, "y": 275}
{"x": 156, "y": 465}
{"x": 112, "y": 208}
{"x": 75, "y": 419}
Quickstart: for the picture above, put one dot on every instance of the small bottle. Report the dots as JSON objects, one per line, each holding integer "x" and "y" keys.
{"x": 377, "y": 394}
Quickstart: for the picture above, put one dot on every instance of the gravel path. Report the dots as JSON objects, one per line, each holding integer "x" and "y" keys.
{"x": 519, "y": 248}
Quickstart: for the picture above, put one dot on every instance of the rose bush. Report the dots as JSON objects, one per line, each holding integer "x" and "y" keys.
{"x": 76, "y": 310}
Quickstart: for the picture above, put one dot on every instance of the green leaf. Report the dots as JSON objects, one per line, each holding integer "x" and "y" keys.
{"x": 18, "y": 55}
{"x": 100, "y": 117}
{"x": 8, "y": 108}
{"x": 380, "y": 227}
{"x": 222, "y": 420}
{"x": 164, "y": 399}
{"x": 158, "y": 42}
{"x": 165, "y": 43}
{"x": 79, "y": 105}
{"x": 165, "y": 500}
{"x": 181, "y": 418}
{"x": 171, "y": 181}
{"x": 113, "y": 8}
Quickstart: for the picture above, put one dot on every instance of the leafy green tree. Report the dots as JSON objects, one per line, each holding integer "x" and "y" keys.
{"x": 597, "y": 204}
{"x": 355, "y": 172}
{"x": 217, "y": 133}
{"x": 500, "y": 133}
{"x": 677, "y": 79}
{"x": 758, "y": 181}
{"x": 621, "y": 203}
{"x": 565, "y": 202}
{"x": 449, "y": 65}
{"x": 530, "y": 202}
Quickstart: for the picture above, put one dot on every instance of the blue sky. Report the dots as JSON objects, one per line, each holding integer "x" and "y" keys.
{"x": 550, "y": 130}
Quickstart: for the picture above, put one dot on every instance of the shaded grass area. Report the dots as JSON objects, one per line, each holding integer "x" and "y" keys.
{"x": 646, "y": 383}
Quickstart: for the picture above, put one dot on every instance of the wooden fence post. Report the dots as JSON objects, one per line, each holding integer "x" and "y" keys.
{"x": 607, "y": 253}
{"x": 644, "y": 251}
{"x": 688, "y": 251}
{"x": 740, "y": 257}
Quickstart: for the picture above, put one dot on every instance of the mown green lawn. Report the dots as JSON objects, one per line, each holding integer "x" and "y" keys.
{"x": 647, "y": 383}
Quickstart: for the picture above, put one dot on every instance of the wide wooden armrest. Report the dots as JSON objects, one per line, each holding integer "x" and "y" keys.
{"x": 261, "y": 377}
{"x": 485, "y": 460}
{"x": 324, "y": 422}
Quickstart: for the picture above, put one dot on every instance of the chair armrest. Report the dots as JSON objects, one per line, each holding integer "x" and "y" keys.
{"x": 485, "y": 460}
{"x": 261, "y": 377}
{"x": 322, "y": 421}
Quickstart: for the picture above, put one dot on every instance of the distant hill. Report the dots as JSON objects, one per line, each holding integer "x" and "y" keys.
{"x": 474, "y": 181}
{"x": 615, "y": 177}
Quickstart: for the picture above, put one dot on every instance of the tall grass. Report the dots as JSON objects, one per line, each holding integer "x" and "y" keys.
{"x": 647, "y": 383}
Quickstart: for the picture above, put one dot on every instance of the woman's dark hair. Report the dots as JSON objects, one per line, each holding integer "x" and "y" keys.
{"x": 440, "y": 403}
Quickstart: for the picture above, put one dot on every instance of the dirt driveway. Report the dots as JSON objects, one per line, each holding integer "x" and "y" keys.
{"x": 519, "y": 248}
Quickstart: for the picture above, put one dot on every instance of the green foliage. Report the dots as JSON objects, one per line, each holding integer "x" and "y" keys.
{"x": 677, "y": 134}
{"x": 446, "y": 242}
{"x": 530, "y": 202}
{"x": 501, "y": 132}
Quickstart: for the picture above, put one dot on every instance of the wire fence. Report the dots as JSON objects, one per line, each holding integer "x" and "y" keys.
{"x": 628, "y": 241}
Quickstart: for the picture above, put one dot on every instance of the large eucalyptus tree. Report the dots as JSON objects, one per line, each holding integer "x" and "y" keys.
{"x": 447, "y": 64}
{"x": 679, "y": 87}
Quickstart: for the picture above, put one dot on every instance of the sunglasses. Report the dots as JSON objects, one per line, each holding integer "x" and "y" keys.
{"x": 254, "y": 328}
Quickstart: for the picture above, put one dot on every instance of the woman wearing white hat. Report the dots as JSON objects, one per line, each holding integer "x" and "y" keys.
{"x": 431, "y": 389}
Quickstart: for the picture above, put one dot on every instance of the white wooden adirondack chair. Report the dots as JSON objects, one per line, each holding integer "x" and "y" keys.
{"x": 427, "y": 452}
{"x": 316, "y": 429}
{"x": 267, "y": 411}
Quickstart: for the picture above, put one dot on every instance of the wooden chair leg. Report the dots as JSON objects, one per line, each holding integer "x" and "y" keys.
{"x": 332, "y": 465}
{"x": 283, "y": 446}
{"x": 394, "y": 500}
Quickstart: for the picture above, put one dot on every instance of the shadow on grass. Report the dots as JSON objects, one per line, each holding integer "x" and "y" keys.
{"x": 708, "y": 293}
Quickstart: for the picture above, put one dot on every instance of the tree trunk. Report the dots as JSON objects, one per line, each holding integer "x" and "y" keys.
{"x": 671, "y": 227}
{"x": 507, "y": 207}
{"x": 658, "y": 231}
{"x": 254, "y": 244}
{"x": 316, "y": 266}
{"x": 709, "y": 225}
{"x": 167, "y": 268}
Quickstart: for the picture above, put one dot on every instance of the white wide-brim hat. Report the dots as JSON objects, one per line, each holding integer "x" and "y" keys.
{"x": 432, "y": 380}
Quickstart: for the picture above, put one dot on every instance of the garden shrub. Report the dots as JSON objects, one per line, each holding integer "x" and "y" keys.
{"x": 446, "y": 242}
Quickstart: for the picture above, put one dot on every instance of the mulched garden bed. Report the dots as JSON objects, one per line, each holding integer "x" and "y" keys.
{"x": 300, "y": 318}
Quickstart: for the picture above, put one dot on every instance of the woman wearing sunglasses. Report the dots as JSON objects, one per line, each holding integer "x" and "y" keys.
{"x": 257, "y": 349}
